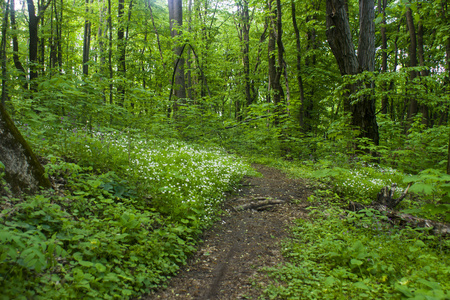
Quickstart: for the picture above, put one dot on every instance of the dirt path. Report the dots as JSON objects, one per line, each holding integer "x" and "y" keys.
{"x": 227, "y": 263}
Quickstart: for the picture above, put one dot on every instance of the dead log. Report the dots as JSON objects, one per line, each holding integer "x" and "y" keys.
{"x": 386, "y": 202}
{"x": 402, "y": 219}
{"x": 259, "y": 205}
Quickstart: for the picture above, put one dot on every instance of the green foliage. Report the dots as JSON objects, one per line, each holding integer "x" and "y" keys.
{"x": 433, "y": 187}
{"x": 360, "y": 183}
{"x": 358, "y": 257}
{"x": 128, "y": 216}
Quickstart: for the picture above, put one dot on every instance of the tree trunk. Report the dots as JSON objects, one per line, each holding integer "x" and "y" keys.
{"x": 245, "y": 17}
{"x": 3, "y": 54}
{"x": 423, "y": 72}
{"x": 110, "y": 68}
{"x": 176, "y": 20}
{"x": 16, "y": 59}
{"x": 275, "y": 70}
{"x": 363, "y": 111}
{"x": 86, "y": 41}
{"x": 33, "y": 26}
{"x": 382, "y": 10}
{"x": 299, "y": 67}
{"x": 413, "y": 105}
{"x": 23, "y": 171}
{"x": 121, "y": 68}
{"x": 157, "y": 35}
{"x": 340, "y": 40}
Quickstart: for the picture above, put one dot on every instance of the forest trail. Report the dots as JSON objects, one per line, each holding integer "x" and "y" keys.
{"x": 244, "y": 241}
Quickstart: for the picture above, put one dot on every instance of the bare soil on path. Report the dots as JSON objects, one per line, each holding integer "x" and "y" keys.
{"x": 228, "y": 262}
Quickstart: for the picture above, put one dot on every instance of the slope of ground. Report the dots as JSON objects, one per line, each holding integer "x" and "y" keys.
{"x": 226, "y": 264}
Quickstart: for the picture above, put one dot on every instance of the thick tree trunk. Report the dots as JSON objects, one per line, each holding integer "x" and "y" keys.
{"x": 340, "y": 40}
{"x": 363, "y": 111}
{"x": 23, "y": 171}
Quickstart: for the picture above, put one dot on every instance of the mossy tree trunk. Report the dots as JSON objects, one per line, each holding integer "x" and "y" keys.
{"x": 24, "y": 173}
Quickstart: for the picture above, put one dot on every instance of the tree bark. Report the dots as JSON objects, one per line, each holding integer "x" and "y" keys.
{"x": 176, "y": 20}
{"x": 86, "y": 41}
{"x": 3, "y": 53}
{"x": 301, "y": 115}
{"x": 33, "y": 26}
{"x": 23, "y": 171}
{"x": 275, "y": 70}
{"x": 340, "y": 40}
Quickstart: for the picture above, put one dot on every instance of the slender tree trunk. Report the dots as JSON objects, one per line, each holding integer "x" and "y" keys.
{"x": 16, "y": 59}
{"x": 301, "y": 117}
{"x": 189, "y": 87}
{"x": 423, "y": 72}
{"x": 3, "y": 53}
{"x": 110, "y": 68}
{"x": 413, "y": 105}
{"x": 382, "y": 10}
{"x": 157, "y": 35}
{"x": 33, "y": 26}
{"x": 86, "y": 40}
{"x": 59, "y": 18}
{"x": 275, "y": 70}
{"x": 246, "y": 50}
{"x": 176, "y": 19}
{"x": 121, "y": 51}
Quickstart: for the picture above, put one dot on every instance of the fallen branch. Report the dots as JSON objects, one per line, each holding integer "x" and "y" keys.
{"x": 259, "y": 205}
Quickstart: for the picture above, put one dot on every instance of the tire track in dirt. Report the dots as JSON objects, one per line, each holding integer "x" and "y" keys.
{"x": 227, "y": 264}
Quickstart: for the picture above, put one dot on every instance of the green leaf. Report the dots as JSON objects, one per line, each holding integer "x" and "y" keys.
{"x": 100, "y": 267}
{"x": 420, "y": 187}
{"x": 85, "y": 263}
{"x": 361, "y": 285}
{"x": 356, "y": 262}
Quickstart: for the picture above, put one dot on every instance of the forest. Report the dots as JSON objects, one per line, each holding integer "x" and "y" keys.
{"x": 126, "y": 124}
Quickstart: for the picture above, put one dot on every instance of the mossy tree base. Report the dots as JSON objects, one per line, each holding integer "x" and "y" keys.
{"x": 24, "y": 173}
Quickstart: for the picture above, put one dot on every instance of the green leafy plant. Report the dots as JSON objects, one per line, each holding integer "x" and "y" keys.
{"x": 358, "y": 257}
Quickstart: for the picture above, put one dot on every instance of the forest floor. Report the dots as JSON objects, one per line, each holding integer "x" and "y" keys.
{"x": 229, "y": 261}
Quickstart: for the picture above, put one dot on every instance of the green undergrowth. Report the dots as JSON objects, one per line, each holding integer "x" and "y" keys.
{"x": 340, "y": 255}
{"x": 124, "y": 214}
{"x": 337, "y": 254}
